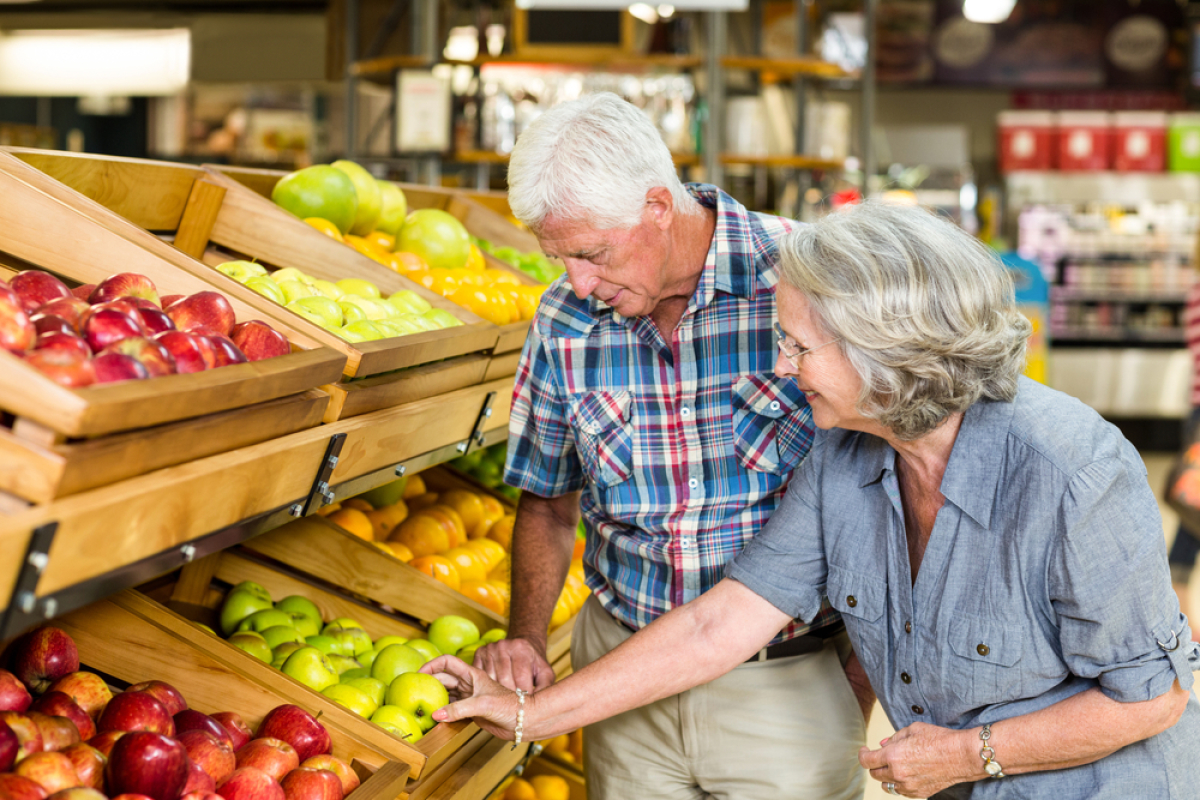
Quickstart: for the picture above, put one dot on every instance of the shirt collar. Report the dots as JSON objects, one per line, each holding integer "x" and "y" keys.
{"x": 736, "y": 245}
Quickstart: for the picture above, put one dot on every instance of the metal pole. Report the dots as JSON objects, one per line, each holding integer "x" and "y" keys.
{"x": 715, "y": 78}
{"x": 868, "y": 96}
{"x": 802, "y": 177}
{"x": 351, "y": 79}
{"x": 423, "y": 38}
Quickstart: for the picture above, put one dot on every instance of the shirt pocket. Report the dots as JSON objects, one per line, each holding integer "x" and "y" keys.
{"x": 605, "y": 436}
{"x": 861, "y": 599}
{"x": 983, "y": 657}
{"x": 771, "y": 424}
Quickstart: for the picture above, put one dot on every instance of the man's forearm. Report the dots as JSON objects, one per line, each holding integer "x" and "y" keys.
{"x": 543, "y": 539}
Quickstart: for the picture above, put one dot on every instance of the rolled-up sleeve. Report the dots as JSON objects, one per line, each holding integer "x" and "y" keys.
{"x": 1119, "y": 620}
{"x": 541, "y": 447}
{"x": 785, "y": 562}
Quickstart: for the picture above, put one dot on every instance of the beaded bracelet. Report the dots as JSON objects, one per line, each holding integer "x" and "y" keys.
{"x": 520, "y": 729}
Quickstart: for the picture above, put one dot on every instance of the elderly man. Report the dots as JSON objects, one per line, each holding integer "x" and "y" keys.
{"x": 646, "y": 400}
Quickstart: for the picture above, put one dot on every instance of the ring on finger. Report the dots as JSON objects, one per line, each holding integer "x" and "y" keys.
{"x": 890, "y": 788}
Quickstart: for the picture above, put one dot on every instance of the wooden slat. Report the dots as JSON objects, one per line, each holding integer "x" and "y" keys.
{"x": 195, "y": 579}
{"x": 502, "y": 365}
{"x": 799, "y": 65}
{"x": 558, "y": 646}
{"x": 199, "y": 216}
{"x": 512, "y": 337}
{"x": 383, "y": 391}
{"x": 480, "y": 774}
{"x": 419, "y": 790}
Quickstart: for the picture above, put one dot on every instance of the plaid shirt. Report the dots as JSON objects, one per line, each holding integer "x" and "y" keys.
{"x": 683, "y": 448}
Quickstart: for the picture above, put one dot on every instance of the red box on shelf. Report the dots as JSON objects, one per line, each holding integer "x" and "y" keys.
{"x": 1084, "y": 141}
{"x": 1026, "y": 140}
{"x": 1140, "y": 141}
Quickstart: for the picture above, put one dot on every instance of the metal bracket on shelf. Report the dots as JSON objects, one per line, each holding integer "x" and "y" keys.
{"x": 320, "y": 488}
{"x": 23, "y": 605}
{"x": 476, "y": 436}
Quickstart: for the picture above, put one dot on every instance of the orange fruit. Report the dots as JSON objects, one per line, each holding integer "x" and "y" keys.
{"x": 438, "y": 568}
{"x": 326, "y": 227}
{"x": 551, "y": 787}
{"x": 382, "y": 239}
{"x": 580, "y": 546}
{"x": 562, "y": 613}
{"x": 475, "y": 300}
{"x": 491, "y": 552}
{"x": 408, "y": 262}
{"x": 325, "y": 511}
{"x": 421, "y": 501}
{"x": 501, "y": 531}
{"x": 502, "y": 588}
{"x": 557, "y": 745}
{"x": 520, "y": 789}
{"x": 354, "y": 521}
{"x": 368, "y": 248}
{"x": 422, "y": 535}
{"x": 467, "y": 504}
{"x": 359, "y": 503}
{"x": 492, "y": 511}
{"x": 414, "y": 487}
{"x": 385, "y": 519}
{"x": 486, "y": 595}
{"x": 501, "y": 571}
{"x": 450, "y": 520}
{"x": 576, "y": 569}
{"x": 494, "y": 276}
{"x": 528, "y": 298}
{"x": 396, "y": 550}
{"x": 577, "y": 591}
{"x": 475, "y": 260}
{"x": 470, "y": 565}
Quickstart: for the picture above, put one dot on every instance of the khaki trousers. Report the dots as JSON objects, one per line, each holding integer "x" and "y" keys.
{"x": 786, "y": 728}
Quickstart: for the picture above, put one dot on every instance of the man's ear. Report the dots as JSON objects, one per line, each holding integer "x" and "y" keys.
{"x": 660, "y": 205}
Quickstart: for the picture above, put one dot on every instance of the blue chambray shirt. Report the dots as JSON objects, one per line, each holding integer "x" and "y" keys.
{"x": 1045, "y": 575}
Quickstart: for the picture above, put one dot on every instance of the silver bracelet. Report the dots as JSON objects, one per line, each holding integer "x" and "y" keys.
{"x": 990, "y": 765}
{"x": 520, "y": 729}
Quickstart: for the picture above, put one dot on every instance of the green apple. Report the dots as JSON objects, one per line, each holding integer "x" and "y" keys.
{"x": 290, "y": 274}
{"x": 299, "y": 604}
{"x": 311, "y": 667}
{"x": 343, "y": 663}
{"x": 371, "y": 308}
{"x": 267, "y": 618}
{"x": 398, "y": 722}
{"x": 253, "y": 643}
{"x": 361, "y": 331}
{"x": 350, "y": 311}
{"x": 425, "y": 648}
{"x": 306, "y": 625}
{"x": 267, "y": 288}
{"x": 422, "y": 322}
{"x": 279, "y": 654}
{"x": 356, "y": 672}
{"x": 387, "y": 495}
{"x": 204, "y": 628}
{"x": 393, "y": 208}
{"x": 367, "y": 658}
{"x": 390, "y": 329}
{"x": 366, "y": 188}
{"x": 409, "y": 302}
{"x": 396, "y": 659}
{"x": 384, "y": 641}
{"x": 443, "y": 317}
{"x": 467, "y": 654}
{"x": 318, "y": 309}
{"x": 319, "y": 191}
{"x": 278, "y": 634}
{"x": 354, "y": 699}
{"x": 494, "y": 635}
{"x": 326, "y": 644}
{"x": 343, "y": 622}
{"x": 294, "y": 290}
{"x": 242, "y": 271}
{"x": 354, "y": 640}
{"x": 242, "y": 601}
{"x": 450, "y": 633}
{"x": 359, "y": 286}
{"x": 373, "y": 687}
{"x": 327, "y": 289}
{"x": 419, "y": 694}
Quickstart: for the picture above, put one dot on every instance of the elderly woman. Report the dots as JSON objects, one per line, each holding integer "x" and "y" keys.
{"x": 992, "y": 545}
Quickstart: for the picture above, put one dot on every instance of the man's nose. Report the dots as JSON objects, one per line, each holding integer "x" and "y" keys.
{"x": 583, "y": 280}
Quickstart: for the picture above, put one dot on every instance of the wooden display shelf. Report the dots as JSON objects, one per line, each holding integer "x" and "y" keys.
{"x": 125, "y": 523}
{"x": 799, "y": 65}
{"x": 382, "y": 66}
{"x": 503, "y": 364}
{"x": 36, "y": 465}
{"x": 352, "y": 398}
{"x": 543, "y": 765}
{"x": 38, "y": 230}
{"x": 132, "y": 639}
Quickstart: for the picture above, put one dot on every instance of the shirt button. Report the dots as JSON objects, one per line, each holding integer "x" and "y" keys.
{"x": 918, "y": 710}
{"x": 983, "y": 649}
{"x": 685, "y": 412}
{"x": 693, "y": 483}
{"x": 851, "y": 600}
{"x": 908, "y": 627}
{"x": 904, "y": 676}
{"x": 774, "y": 405}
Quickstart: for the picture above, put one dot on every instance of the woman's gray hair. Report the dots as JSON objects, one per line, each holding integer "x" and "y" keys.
{"x": 924, "y": 311}
{"x": 593, "y": 160}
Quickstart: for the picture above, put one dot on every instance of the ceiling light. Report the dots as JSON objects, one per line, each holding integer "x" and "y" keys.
{"x": 73, "y": 63}
{"x": 988, "y": 11}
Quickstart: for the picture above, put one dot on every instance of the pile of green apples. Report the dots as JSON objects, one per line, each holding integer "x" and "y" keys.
{"x": 535, "y": 264}
{"x": 487, "y": 467}
{"x": 378, "y": 679}
{"x": 352, "y": 308}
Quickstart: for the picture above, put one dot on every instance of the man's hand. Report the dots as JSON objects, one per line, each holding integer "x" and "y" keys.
{"x": 516, "y": 664}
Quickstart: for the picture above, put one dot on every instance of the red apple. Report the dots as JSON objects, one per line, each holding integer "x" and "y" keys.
{"x": 203, "y": 310}
{"x": 83, "y": 291}
{"x": 71, "y": 309}
{"x": 104, "y": 742}
{"x": 41, "y": 657}
{"x": 147, "y": 763}
{"x": 53, "y": 771}
{"x": 89, "y": 764}
{"x": 29, "y": 736}
{"x": 196, "y": 796}
{"x": 124, "y": 284}
{"x": 273, "y": 756}
{"x": 79, "y": 793}
{"x": 16, "y": 787}
{"x": 111, "y": 367}
{"x": 150, "y": 354}
{"x": 191, "y": 353}
{"x": 129, "y": 796}
{"x": 36, "y": 288}
{"x": 13, "y": 694}
{"x": 305, "y": 783}
{"x": 155, "y": 320}
{"x": 344, "y": 772}
{"x": 298, "y": 728}
{"x": 60, "y": 704}
{"x": 136, "y": 711}
{"x": 258, "y": 340}
{"x": 64, "y": 367}
{"x": 109, "y": 326}
{"x": 58, "y": 733}
{"x": 87, "y": 689}
{"x": 225, "y": 351}
{"x": 16, "y": 330}
{"x": 164, "y": 693}
{"x": 168, "y": 300}
{"x": 198, "y": 780}
{"x": 50, "y": 323}
{"x": 63, "y": 341}
{"x": 9, "y": 745}
{"x": 239, "y": 732}
{"x": 192, "y": 720}
{"x": 214, "y": 756}
{"x": 249, "y": 783}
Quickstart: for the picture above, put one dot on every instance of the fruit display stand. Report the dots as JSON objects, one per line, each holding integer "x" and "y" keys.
{"x": 123, "y": 638}
{"x": 215, "y": 218}
{"x": 544, "y": 765}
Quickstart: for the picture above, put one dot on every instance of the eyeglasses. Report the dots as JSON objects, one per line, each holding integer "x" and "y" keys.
{"x": 789, "y": 349}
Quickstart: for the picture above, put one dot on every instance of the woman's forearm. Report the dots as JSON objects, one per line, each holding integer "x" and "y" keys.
{"x": 686, "y": 647}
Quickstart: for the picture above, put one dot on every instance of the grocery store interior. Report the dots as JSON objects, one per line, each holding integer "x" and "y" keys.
{"x": 348, "y": 454}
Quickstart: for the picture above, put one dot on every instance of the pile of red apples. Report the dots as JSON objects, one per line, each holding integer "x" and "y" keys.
{"x": 120, "y": 329}
{"x": 64, "y": 735}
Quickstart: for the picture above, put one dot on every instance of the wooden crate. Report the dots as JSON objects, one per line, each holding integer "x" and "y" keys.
{"x": 130, "y": 638}
{"x": 39, "y": 230}
{"x": 212, "y": 217}
{"x": 543, "y": 765}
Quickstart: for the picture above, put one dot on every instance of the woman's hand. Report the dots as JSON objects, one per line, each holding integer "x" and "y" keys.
{"x": 922, "y": 760}
{"x": 493, "y": 707}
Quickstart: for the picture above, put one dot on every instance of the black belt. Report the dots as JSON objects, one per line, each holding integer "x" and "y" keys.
{"x": 811, "y": 642}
